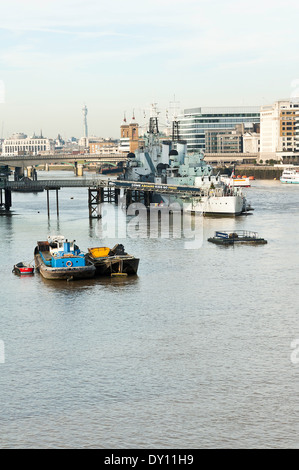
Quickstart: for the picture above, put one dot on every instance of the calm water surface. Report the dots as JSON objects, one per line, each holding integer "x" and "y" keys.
{"x": 194, "y": 352}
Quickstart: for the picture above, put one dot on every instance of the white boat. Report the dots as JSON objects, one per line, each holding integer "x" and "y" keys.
{"x": 168, "y": 162}
{"x": 290, "y": 175}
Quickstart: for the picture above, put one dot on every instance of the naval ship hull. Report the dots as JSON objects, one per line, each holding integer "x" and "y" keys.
{"x": 221, "y": 206}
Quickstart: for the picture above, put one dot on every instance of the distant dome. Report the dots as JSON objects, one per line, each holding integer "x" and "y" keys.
{"x": 131, "y": 155}
{"x": 18, "y": 135}
{"x": 173, "y": 152}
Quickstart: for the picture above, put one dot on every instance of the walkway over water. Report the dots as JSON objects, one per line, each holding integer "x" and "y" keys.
{"x": 99, "y": 191}
{"x": 97, "y": 183}
{"x": 30, "y": 185}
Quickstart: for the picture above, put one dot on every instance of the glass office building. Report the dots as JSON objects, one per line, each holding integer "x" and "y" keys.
{"x": 196, "y": 121}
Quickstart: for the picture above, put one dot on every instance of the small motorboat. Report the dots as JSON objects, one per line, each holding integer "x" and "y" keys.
{"x": 112, "y": 262}
{"x": 238, "y": 236}
{"x": 23, "y": 268}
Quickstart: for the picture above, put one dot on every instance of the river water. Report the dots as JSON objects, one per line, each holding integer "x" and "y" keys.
{"x": 197, "y": 351}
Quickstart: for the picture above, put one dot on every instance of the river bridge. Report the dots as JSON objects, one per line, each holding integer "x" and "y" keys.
{"x": 99, "y": 191}
{"x": 25, "y": 161}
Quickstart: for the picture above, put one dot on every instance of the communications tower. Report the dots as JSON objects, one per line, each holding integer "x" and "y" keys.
{"x": 85, "y": 111}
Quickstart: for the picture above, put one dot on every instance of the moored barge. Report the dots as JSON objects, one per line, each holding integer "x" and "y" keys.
{"x": 112, "y": 262}
{"x": 238, "y": 236}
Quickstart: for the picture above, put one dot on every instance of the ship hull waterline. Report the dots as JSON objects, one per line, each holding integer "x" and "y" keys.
{"x": 227, "y": 206}
{"x": 82, "y": 272}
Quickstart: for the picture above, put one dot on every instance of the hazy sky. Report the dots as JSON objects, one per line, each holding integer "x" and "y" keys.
{"x": 57, "y": 55}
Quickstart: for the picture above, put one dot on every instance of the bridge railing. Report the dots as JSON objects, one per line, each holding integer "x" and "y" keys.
{"x": 61, "y": 157}
{"x": 54, "y": 184}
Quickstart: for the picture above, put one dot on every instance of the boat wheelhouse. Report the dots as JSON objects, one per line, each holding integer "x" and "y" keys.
{"x": 290, "y": 175}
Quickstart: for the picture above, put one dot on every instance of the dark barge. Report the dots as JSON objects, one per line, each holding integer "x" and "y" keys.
{"x": 238, "y": 236}
{"x": 112, "y": 262}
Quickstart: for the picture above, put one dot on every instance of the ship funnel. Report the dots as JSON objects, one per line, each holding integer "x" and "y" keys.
{"x": 182, "y": 150}
{"x": 166, "y": 148}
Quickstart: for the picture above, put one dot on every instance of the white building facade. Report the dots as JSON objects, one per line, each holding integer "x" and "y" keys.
{"x": 251, "y": 142}
{"x": 20, "y": 144}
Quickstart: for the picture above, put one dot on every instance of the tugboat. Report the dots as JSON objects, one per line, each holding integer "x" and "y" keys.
{"x": 112, "y": 262}
{"x": 58, "y": 258}
{"x": 238, "y": 236}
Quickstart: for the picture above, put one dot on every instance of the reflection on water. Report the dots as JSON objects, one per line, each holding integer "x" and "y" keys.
{"x": 88, "y": 284}
{"x": 194, "y": 352}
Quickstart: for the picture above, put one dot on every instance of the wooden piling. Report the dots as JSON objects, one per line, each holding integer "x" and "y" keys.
{"x": 95, "y": 198}
{"x": 7, "y": 202}
{"x": 57, "y": 203}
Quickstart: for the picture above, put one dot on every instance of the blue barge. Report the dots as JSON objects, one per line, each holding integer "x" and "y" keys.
{"x": 58, "y": 258}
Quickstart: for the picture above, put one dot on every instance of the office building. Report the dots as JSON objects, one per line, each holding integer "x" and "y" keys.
{"x": 194, "y": 123}
{"x": 224, "y": 141}
{"x": 279, "y": 130}
{"x": 103, "y": 147}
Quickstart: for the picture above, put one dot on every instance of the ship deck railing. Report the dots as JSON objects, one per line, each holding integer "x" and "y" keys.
{"x": 226, "y": 234}
{"x": 55, "y": 184}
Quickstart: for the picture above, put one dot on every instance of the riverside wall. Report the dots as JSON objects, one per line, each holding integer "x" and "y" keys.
{"x": 258, "y": 172}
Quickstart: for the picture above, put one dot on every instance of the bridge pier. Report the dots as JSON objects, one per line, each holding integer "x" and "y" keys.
{"x": 1, "y": 199}
{"x": 7, "y": 202}
{"x": 31, "y": 173}
{"x": 5, "y": 199}
{"x": 19, "y": 173}
{"x": 80, "y": 170}
{"x": 116, "y": 195}
{"x": 95, "y": 198}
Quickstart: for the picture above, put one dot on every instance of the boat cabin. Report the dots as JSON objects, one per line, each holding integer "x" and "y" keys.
{"x": 58, "y": 252}
{"x": 59, "y": 245}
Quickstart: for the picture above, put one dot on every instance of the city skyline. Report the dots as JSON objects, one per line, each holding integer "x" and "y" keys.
{"x": 58, "y": 56}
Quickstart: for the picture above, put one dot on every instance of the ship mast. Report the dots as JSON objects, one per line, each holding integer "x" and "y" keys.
{"x": 153, "y": 123}
{"x": 174, "y": 106}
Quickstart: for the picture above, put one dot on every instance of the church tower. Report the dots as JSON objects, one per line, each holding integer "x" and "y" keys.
{"x": 133, "y": 134}
{"x": 129, "y": 135}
